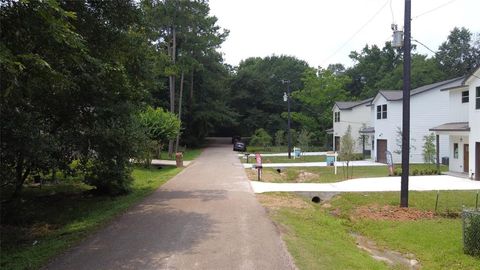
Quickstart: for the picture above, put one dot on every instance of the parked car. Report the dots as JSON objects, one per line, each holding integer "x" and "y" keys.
{"x": 236, "y": 139}
{"x": 239, "y": 146}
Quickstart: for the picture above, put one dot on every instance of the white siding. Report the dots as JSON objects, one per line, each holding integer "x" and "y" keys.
{"x": 474, "y": 120}
{"x": 427, "y": 110}
{"x": 456, "y": 164}
{"x": 356, "y": 118}
{"x": 458, "y": 111}
{"x": 386, "y": 129}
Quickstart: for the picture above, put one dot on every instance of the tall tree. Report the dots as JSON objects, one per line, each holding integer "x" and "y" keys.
{"x": 459, "y": 54}
{"x": 371, "y": 65}
{"x": 321, "y": 89}
{"x": 257, "y": 91}
{"x": 186, "y": 32}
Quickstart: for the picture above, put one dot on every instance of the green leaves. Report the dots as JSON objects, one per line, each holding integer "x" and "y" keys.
{"x": 160, "y": 125}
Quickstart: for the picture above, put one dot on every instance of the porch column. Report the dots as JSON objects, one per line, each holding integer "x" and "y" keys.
{"x": 438, "y": 153}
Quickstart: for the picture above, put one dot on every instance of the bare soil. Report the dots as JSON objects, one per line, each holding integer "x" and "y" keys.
{"x": 389, "y": 212}
{"x": 275, "y": 202}
{"x": 304, "y": 176}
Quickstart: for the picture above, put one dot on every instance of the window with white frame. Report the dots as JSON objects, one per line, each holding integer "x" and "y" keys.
{"x": 382, "y": 111}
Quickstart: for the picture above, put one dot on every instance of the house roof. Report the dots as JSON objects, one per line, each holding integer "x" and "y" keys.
{"x": 472, "y": 75}
{"x": 394, "y": 95}
{"x": 348, "y": 105}
{"x": 391, "y": 94}
{"x": 456, "y": 126}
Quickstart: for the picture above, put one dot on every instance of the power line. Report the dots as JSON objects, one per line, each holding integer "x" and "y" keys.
{"x": 356, "y": 33}
{"x": 391, "y": 10}
{"x": 434, "y": 9}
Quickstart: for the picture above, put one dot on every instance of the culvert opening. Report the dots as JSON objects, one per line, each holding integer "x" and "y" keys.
{"x": 316, "y": 199}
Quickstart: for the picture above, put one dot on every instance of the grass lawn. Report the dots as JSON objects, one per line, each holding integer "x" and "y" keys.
{"x": 325, "y": 174}
{"x": 320, "y": 236}
{"x": 49, "y": 220}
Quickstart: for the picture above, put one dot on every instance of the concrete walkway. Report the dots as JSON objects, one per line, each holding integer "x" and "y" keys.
{"x": 286, "y": 154}
{"x": 165, "y": 162}
{"x": 207, "y": 217}
{"x": 316, "y": 164}
{"x": 378, "y": 184}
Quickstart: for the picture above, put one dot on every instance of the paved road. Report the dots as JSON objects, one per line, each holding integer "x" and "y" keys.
{"x": 207, "y": 217}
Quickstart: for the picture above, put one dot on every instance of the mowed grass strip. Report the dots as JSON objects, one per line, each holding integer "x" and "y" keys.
{"x": 320, "y": 236}
{"x": 437, "y": 243}
{"x": 51, "y": 219}
{"x": 315, "y": 239}
{"x": 326, "y": 174}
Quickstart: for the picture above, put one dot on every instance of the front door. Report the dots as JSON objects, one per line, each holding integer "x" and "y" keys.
{"x": 477, "y": 161}
{"x": 381, "y": 149}
{"x": 465, "y": 158}
{"x": 337, "y": 143}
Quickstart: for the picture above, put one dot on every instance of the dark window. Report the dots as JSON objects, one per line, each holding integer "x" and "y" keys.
{"x": 337, "y": 117}
{"x": 465, "y": 97}
{"x": 477, "y": 98}
{"x": 455, "y": 150}
{"x": 382, "y": 111}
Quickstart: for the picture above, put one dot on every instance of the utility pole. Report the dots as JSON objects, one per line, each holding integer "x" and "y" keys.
{"x": 286, "y": 97}
{"x": 406, "y": 106}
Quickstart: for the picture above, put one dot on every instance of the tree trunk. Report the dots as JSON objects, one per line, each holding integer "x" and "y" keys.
{"x": 180, "y": 109}
{"x": 173, "y": 52}
{"x": 21, "y": 175}
{"x": 191, "y": 87}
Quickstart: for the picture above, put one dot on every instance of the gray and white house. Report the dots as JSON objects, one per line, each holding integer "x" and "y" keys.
{"x": 463, "y": 126}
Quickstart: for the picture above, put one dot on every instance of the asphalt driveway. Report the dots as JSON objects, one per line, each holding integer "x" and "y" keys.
{"x": 207, "y": 217}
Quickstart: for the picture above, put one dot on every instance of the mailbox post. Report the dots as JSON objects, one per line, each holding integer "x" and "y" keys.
{"x": 258, "y": 165}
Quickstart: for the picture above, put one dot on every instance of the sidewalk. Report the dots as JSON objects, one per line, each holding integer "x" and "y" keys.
{"x": 286, "y": 154}
{"x": 378, "y": 184}
{"x": 316, "y": 164}
{"x": 165, "y": 162}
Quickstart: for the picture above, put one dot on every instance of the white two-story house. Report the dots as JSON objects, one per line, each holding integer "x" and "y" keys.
{"x": 463, "y": 126}
{"x": 429, "y": 106}
{"x": 355, "y": 114}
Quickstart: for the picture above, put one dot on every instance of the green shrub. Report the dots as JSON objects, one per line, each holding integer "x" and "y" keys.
{"x": 109, "y": 176}
{"x": 261, "y": 138}
{"x": 471, "y": 232}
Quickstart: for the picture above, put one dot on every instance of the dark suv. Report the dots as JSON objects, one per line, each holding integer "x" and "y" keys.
{"x": 236, "y": 139}
{"x": 239, "y": 146}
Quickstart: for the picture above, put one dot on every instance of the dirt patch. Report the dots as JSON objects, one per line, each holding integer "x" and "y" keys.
{"x": 275, "y": 202}
{"x": 388, "y": 212}
{"x": 304, "y": 176}
{"x": 267, "y": 175}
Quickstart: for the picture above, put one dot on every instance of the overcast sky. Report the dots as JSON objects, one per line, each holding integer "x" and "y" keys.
{"x": 322, "y": 32}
